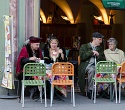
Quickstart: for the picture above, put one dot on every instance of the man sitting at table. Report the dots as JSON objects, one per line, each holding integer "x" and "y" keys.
{"x": 88, "y": 53}
{"x": 29, "y": 53}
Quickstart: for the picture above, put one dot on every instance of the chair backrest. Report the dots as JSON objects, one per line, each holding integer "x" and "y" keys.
{"x": 67, "y": 52}
{"x": 106, "y": 67}
{"x": 34, "y": 69}
{"x": 63, "y": 69}
{"x": 43, "y": 54}
{"x": 122, "y": 70}
{"x": 79, "y": 60}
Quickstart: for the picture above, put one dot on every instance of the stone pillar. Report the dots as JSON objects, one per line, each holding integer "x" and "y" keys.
{"x": 21, "y": 23}
{"x": 84, "y": 18}
{"x": 37, "y": 18}
{"x": 29, "y": 18}
{"x": 119, "y": 28}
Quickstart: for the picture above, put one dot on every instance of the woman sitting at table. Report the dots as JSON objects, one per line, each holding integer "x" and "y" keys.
{"x": 53, "y": 54}
{"x": 113, "y": 53}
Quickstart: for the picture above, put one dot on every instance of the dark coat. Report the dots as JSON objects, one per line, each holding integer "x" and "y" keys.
{"x": 49, "y": 60}
{"x": 86, "y": 53}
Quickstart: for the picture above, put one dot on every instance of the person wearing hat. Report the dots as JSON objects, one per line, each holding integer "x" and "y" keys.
{"x": 29, "y": 53}
{"x": 88, "y": 52}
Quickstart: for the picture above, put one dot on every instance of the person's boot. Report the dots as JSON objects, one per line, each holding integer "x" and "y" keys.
{"x": 89, "y": 94}
{"x": 32, "y": 92}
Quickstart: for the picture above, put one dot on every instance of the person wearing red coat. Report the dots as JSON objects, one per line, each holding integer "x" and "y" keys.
{"x": 29, "y": 53}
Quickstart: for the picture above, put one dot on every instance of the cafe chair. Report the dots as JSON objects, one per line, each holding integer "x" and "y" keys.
{"x": 63, "y": 69}
{"x": 32, "y": 70}
{"x": 108, "y": 72}
{"x": 121, "y": 79}
{"x": 43, "y": 53}
{"x": 67, "y": 53}
{"x": 86, "y": 77}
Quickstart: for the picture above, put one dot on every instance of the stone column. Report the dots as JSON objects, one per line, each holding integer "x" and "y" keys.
{"x": 37, "y": 18}
{"x": 29, "y": 18}
{"x": 118, "y": 30}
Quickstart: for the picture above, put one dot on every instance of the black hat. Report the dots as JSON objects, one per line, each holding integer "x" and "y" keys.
{"x": 35, "y": 39}
{"x": 97, "y": 35}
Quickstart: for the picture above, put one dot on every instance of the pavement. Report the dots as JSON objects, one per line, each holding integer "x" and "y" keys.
{"x": 82, "y": 103}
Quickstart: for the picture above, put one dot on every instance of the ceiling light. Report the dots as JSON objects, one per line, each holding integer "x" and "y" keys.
{"x": 65, "y": 18}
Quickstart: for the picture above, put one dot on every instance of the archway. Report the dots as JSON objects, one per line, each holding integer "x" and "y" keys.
{"x": 42, "y": 15}
{"x": 102, "y": 10}
{"x": 66, "y": 8}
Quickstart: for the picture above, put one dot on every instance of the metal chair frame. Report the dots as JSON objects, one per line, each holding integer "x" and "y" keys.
{"x": 86, "y": 77}
{"x": 121, "y": 79}
{"x": 109, "y": 68}
{"x": 31, "y": 70}
{"x": 63, "y": 69}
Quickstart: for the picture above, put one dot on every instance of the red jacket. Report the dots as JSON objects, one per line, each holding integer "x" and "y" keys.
{"x": 24, "y": 54}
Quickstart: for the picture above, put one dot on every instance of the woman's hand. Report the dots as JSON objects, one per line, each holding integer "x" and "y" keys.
{"x": 61, "y": 52}
{"x": 34, "y": 59}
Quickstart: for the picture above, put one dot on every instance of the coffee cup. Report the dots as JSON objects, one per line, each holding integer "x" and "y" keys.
{"x": 41, "y": 61}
